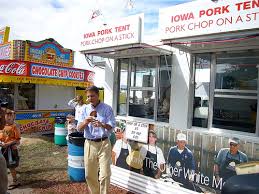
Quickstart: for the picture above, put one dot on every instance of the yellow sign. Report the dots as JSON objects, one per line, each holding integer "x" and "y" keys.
{"x": 23, "y": 79}
{"x": 36, "y": 125}
{"x": 4, "y": 35}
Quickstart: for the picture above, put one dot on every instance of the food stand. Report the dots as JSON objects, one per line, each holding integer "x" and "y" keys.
{"x": 37, "y": 80}
{"x": 208, "y": 76}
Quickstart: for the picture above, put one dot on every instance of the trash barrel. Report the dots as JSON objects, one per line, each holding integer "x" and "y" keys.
{"x": 60, "y": 131}
{"x": 76, "y": 168}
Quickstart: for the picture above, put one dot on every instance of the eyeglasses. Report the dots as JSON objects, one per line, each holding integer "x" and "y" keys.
{"x": 233, "y": 144}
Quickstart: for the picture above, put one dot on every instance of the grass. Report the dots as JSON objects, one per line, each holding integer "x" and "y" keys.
{"x": 41, "y": 161}
{"x": 43, "y": 168}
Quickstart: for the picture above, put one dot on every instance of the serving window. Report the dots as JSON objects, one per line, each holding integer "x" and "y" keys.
{"x": 7, "y": 95}
{"x": 234, "y": 85}
{"x": 18, "y": 96}
{"x": 26, "y": 97}
{"x": 144, "y": 87}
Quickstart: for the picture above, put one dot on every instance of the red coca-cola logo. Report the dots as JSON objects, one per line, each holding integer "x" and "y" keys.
{"x": 13, "y": 68}
{"x": 90, "y": 77}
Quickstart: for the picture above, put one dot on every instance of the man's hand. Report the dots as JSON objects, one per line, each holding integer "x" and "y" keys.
{"x": 83, "y": 124}
{"x": 88, "y": 120}
{"x": 97, "y": 123}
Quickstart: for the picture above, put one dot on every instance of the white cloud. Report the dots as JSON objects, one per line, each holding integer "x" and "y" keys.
{"x": 64, "y": 20}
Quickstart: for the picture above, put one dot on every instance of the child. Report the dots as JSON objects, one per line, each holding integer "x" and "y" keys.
{"x": 70, "y": 125}
{"x": 9, "y": 139}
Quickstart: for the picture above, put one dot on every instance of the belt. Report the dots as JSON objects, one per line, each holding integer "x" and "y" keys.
{"x": 98, "y": 140}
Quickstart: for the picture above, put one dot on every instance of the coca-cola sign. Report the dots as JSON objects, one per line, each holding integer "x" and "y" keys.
{"x": 89, "y": 76}
{"x": 13, "y": 68}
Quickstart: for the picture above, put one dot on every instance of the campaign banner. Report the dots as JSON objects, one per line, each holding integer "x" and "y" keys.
{"x": 13, "y": 68}
{"x": 44, "y": 71}
{"x": 5, "y": 51}
{"x": 121, "y": 32}
{"x": 196, "y": 161}
{"x": 204, "y": 17}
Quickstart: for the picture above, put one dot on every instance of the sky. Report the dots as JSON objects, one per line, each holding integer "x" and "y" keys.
{"x": 64, "y": 20}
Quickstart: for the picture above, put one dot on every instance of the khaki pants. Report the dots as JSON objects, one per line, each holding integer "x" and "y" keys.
{"x": 97, "y": 158}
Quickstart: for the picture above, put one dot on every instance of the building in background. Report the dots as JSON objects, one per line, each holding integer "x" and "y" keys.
{"x": 200, "y": 79}
{"x": 37, "y": 81}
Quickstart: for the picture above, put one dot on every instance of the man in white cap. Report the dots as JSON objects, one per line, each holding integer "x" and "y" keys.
{"x": 227, "y": 159}
{"x": 180, "y": 160}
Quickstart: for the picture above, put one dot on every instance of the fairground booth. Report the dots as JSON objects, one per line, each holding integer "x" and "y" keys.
{"x": 200, "y": 78}
{"x": 37, "y": 80}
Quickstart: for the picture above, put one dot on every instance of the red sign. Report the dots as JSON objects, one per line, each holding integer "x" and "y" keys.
{"x": 20, "y": 68}
{"x": 89, "y": 76}
{"x": 14, "y": 68}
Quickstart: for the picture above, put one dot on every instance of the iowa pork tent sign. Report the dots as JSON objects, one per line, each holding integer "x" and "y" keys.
{"x": 204, "y": 17}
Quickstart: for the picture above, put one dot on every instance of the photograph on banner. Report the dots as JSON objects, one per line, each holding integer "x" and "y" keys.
{"x": 135, "y": 149}
{"x": 188, "y": 159}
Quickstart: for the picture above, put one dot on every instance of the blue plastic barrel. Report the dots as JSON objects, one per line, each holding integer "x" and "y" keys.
{"x": 76, "y": 169}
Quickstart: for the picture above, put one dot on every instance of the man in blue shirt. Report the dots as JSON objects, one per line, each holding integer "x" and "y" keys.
{"x": 227, "y": 159}
{"x": 181, "y": 162}
{"x": 97, "y": 122}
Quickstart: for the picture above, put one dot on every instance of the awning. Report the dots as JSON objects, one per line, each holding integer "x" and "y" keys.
{"x": 217, "y": 42}
{"x": 127, "y": 51}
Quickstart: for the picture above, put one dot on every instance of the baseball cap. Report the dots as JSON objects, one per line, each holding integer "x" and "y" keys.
{"x": 181, "y": 137}
{"x": 234, "y": 140}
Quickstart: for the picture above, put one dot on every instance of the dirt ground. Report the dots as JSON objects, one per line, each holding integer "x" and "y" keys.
{"x": 43, "y": 168}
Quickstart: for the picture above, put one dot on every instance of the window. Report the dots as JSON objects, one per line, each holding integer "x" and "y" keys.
{"x": 146, "y": 93}
{"x": 123, "y": 86}
{"x": 142, "y": 96}
{"x": 201, "y": 90}
{"x": 164, "y": 88}
{"x": 7, "y": 95}
{"x": 235, "y": 95}
{"x": 141, "y": 103}
{"x": 26, "y": 97}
